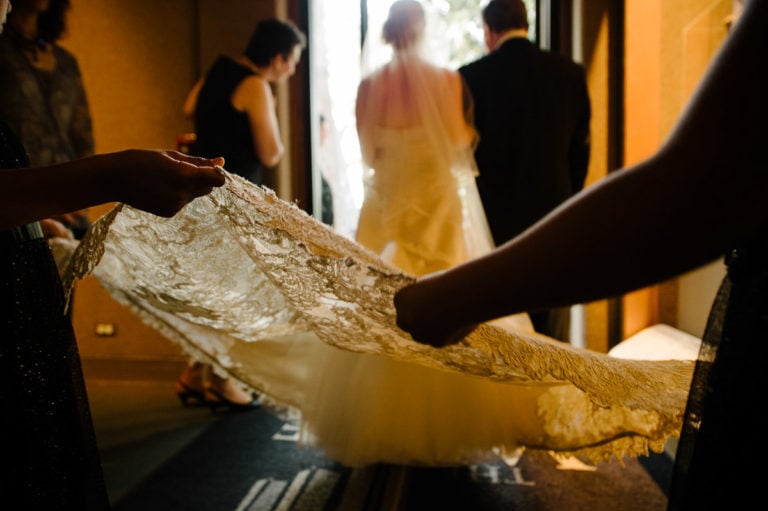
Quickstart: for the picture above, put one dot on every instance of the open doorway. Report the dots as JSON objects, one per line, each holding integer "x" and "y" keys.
{"x": 338, "y": 29}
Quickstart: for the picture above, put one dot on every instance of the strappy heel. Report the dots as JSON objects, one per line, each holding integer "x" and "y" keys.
{"x": 220, "y": 402}
{"x": 188, "y": 396}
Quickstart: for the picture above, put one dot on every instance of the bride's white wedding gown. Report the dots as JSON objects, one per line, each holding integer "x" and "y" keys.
{"x": 364, "y": 408}
{"x": 286, "y": 306}
{"x": 412, "y": 213}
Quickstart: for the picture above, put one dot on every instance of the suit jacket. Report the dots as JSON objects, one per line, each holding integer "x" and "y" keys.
{"x": 532, "y": 113}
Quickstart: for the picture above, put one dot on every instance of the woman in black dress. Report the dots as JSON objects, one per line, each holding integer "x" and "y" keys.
{"x": 50, "y": 454}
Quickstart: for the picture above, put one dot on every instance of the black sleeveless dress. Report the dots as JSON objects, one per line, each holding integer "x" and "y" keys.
{"x": 721, "y": 448}
{"x": 221, "y": 130}
{"x": 49, "y": 455}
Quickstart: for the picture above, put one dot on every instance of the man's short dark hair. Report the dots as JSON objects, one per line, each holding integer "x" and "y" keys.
{"x": 503, "y": 15}
{"x": 273, "y": 37}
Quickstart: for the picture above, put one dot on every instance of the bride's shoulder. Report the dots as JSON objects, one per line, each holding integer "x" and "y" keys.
{"x": 439, "y": 72}
{"x": 449, "y": 76}
{"x": 374, "y": 76}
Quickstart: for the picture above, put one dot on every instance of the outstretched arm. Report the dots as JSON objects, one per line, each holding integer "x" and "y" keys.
{"x": 702, "y": 194}
{"x": 160, "y": 182}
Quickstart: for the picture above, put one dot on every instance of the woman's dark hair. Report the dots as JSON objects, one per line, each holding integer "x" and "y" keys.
{"x": 503, "y": 15}
{"x": 52, "y": 23}
{"x": 273, "y": 37}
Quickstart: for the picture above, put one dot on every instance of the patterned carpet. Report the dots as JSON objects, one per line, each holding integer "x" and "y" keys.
{"x": 251, "y": 462}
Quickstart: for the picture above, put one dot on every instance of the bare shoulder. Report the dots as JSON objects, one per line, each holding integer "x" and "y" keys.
{"x": 255, "y": 84}
{"x": 444, "y": 74}
{"x": 448, "y": 78}
{"x": 253, "y": 92}
{"x": 436, "y": 70}
{"x": 365, "y": 84}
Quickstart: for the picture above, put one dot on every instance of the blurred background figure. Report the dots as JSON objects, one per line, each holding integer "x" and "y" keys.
{"x": 415, "y": 133}
{"x": 233, "y": 106}
{"x": 532, "y": 113}
{"x": 44, "y": 100}
{"x": 327, "y": 192}
{"x": 421, "y": 213}
{"x": 233, "y": 109}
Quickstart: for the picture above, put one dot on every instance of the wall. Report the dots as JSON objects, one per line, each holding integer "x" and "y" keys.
{"x": 694, "y": 31}
{"x": 139, "y": 59}
{"x": 593, "y": 40}
{"x": 669, "y": 44}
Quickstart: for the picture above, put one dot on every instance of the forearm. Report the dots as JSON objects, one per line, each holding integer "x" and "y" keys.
{"x": 31, "y": 194}
{"x": 266, "y": 139}
{"x": 627, "y": 232}
{"x": 270, "y": 152}
{"x": 699, "y": 196}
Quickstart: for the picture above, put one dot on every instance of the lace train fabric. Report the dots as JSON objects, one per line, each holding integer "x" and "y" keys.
{"x": 258, "y": 288}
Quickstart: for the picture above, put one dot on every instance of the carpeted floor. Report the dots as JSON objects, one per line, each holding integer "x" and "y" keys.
{"x": 250, "y": 461}
{"x": 159, "y": 456}
{"x": 242, "y": 461}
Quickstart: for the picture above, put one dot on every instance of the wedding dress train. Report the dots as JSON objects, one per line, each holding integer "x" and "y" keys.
{"x": 264, "y": 292}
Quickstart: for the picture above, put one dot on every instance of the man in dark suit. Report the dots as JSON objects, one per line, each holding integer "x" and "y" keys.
{"x": 532, "y": 113}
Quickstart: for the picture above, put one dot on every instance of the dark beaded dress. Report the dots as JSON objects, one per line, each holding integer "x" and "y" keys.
{"x": 720, "y": 449}
{"x": 50, "y": 456}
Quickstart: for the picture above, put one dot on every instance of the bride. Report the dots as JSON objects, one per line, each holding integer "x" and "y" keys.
{"x": 421, "y": 209}
{"x": 421, "y": 213}
{"x": 305, "y": 316}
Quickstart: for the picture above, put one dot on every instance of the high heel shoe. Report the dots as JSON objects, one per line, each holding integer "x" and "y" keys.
{"x": 220, "y": 402}
{"x": 188, "y": 396}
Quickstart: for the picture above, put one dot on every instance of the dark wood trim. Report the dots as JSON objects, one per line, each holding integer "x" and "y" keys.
{"x": 300, "y": 140}
{"x": 363, "y": 21}
{"x": 615, "y": 155}
{"x": 557, "y": 16}
{"x": 562, "y": 27}
{"x": 615, "y": 85}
